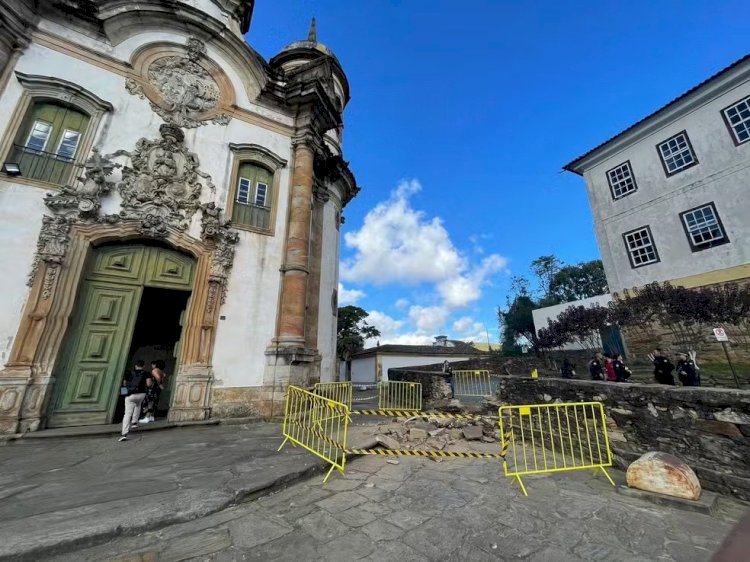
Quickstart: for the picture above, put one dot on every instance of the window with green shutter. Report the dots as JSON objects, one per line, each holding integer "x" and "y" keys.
{"x": 253, "y": 196}
{"x": 46, "y": 145}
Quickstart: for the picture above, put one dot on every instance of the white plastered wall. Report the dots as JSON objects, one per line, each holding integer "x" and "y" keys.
{"x": 248, "y": 316}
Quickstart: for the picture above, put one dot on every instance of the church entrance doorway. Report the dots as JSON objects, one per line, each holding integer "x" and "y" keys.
{"x": 131, "y": 305}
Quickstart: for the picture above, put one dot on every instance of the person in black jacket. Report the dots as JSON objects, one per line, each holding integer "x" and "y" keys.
{"x": 687, "y": 371}
{"x": 663, "y": 368}
{"x": 622, "y": 373}
{"x": 567, "y": 369}
{"x": 596, "y": 367}
{"x": 136, "y": 383}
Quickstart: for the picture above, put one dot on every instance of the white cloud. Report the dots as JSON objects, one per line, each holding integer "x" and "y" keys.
{"x": 397, "y": 244}
{"x": 412, "y": 338}
{"x": 463, "y": 325}
{"x": 462, "y": 290}
{"x": 401, "y": 304}
{"x": 349, "y": 296}
{"x": 384, "y": 323}
{"x": 402, "y": 246}
{"x": 428, "y": 318}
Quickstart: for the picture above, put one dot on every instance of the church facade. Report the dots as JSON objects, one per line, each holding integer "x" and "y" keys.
{"x": 165, "y": 194}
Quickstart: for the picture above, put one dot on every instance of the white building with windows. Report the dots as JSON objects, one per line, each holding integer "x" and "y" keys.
{"x": 165, "y": 193}
{"x": 670, "y": 193}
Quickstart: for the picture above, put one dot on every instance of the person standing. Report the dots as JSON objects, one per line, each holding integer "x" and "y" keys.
{"x": 622, "y": 373}
{"x": 609, "y": 367}
{"x": 687, "y": 371}
{"x": 596, "y": 367}
{"x": 567, "y": 369}
{"x": 136, "y": 384}
{"x": 153, "y": 391}
{"x": 663, "y": 368}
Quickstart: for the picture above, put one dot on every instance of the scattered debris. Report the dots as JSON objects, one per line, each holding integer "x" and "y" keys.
{"x": 416, "y": 433}
{"x": 473, "y": 432}
{"x": 387, "y": 442}
{"x": 392, "y": 461}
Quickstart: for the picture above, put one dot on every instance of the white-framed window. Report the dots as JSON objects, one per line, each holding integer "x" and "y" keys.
{"x": 66, "y": 149}
{"x": 243, "y": 190}
{"x": 641, "y": 247}
{"x": 261, "y": 192}
{"x": 621, "y": 180}
{"x": 677, "y": 153}
{"x": 252, "y": 202}
{"x": 737, "y": 117}
{"x": 38, "y": 136}
{"x": 703, "y": 227}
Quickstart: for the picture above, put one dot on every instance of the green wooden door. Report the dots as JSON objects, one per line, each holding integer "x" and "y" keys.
{"x": 89, "y": 378}
{"x": 94, "y": 358}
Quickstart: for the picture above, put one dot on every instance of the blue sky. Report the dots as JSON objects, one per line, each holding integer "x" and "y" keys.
{"x": 462, "y": 115}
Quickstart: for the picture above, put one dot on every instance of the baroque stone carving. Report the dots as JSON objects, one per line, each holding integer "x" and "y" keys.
{"x": 51, "y": 247}
{"x": 84, "y": 199}
{"x": 186, "y": 90}
{"x": 321, "y": 192}
{"x": 161, "y": 186}
{"x": 211, "y": 221}
{"x": 134, "y": 88}
{"x": 221, "y": 265}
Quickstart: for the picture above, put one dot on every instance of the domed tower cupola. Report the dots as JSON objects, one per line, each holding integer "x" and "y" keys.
{"x": 303, "y": 62}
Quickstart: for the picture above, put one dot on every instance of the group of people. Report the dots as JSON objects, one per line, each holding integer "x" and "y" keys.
{"x": 601, "y": 367}
{"x": 613, "y": 368}
{"x": 687, "y": 369}
{"x": 609, "y": 367}
{"x": 142, "y": 389}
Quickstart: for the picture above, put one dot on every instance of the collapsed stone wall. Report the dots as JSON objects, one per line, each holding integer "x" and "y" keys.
{"x": 709, "y": 428}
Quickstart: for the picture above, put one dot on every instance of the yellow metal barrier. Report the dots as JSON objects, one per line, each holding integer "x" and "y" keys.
{"x": 336, "y": 391}
{"x": 399, "y": 395}
{"x": 317, "y": 424}
{"x": 546, "y": 438}
{"x": 472, "y": 383}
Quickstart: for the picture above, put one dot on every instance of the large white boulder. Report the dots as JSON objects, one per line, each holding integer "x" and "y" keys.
{"x": 664, "y": 474}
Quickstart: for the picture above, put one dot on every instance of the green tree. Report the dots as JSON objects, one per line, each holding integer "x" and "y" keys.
{"x": 576, "y": 282}
{"x": 352, "y": 331}
{"x": 517, "y": 321}
{"x": 546, "y": 269}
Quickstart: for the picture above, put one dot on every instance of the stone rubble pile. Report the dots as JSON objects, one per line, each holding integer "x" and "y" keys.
{"x": 436, "y": 434}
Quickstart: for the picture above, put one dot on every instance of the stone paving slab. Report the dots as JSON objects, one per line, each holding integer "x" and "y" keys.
{"x": 454, "y": 510}
{"x": 58, "y": 494}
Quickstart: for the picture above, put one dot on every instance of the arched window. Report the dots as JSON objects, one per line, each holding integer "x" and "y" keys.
{"x": 255, "y": 188}
{"x": 48, "y": 141}
{"x": 51, "y": 131}
{"x": 253, "y": 196}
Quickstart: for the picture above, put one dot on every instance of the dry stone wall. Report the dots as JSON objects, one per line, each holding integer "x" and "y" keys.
{"x": 709, "y": 428}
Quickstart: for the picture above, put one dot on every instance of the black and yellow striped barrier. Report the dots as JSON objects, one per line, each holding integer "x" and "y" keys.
{"x": 423, "y": 453}
{"x": 413, "y": 414}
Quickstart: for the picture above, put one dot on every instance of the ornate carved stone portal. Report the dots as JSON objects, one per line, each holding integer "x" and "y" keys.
{"x": 161, "y": 187}
{"x": 181, "y": 89}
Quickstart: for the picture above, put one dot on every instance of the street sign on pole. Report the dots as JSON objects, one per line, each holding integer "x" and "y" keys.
{"x": 720, "y": 334}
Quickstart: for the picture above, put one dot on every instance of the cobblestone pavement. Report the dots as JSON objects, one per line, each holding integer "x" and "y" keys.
{"x": 88, "y": 489}
{"x": 422, "y": 510}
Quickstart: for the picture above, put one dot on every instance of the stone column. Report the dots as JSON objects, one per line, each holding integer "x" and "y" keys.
{"x": 296, "y": 267}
